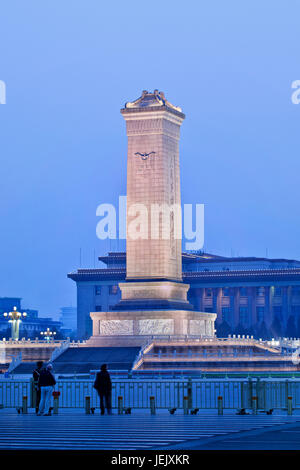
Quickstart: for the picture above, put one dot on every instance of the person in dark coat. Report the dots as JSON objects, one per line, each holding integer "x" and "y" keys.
{"x": 36, "y": 376}
{"x": 46, "y": 384}
{"x": 103, "y": 386}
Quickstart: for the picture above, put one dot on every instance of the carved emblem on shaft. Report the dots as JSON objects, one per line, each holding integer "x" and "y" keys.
{"x": 144, "y": 156}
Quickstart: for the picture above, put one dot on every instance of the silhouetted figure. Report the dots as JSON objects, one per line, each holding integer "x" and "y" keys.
{"x": 46, "y": 384}
{"x": 195, "y": 411}
{"x": 103, "y": 386}
{"x": 36, "y": 376}
{"x": 172, "y": 410}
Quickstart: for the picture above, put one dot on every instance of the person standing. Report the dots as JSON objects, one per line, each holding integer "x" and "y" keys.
{"x": 36, "y": 376}
{"x": 103, "y": 386}
{"x": 46, "y": 384}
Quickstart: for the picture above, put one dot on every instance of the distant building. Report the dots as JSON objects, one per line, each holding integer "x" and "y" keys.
{"x": 8, "y": 303}
{"x": 31, "y": 326}
{"x": 258, "y": 296}
{"x": 68, "y": 319}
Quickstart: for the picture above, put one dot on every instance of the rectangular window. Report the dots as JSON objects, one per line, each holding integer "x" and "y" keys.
{"x": 208, "y": 310}
{"x": 113, "y": 290}
{"x": 244, "y": 316}
{"x": 296, "y": 290}
{"x": 260, "y": 291}
{"x": 260, "y": 314}
{"x": 208, "y": 292}
{"x": 277, "y": 311}
{"x": 243, "y": 291}
{"x": 226, "y": 314}
{"x": 295, "y": 310}
{"x": 98, "y": 308}
{"x": 97, "y": 290}
{"x": 226, "y": 291}
{"x": 277, "y": 291}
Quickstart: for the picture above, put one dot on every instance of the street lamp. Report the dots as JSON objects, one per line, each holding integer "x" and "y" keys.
{"x": 14, "y": 318}
{"x": 48, "y": 335}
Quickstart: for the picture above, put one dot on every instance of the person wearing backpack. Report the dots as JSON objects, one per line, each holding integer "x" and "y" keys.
{"x": 46, "y": 384}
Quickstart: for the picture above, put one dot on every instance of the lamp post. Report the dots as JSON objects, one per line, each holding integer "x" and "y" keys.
{"x": 14, "y": 318}
{"x": 48, "y": 335}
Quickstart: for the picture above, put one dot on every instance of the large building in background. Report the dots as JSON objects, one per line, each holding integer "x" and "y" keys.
{"x": 30, "y": 326}
{"x": 258, "y": 296}
{"x": 68, "y": 319}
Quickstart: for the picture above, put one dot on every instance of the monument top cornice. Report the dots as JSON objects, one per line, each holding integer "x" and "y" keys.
{"x": 150, "y": 102}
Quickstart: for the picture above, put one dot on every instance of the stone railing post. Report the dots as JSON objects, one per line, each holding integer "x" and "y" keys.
{"x": 152, "y": 405}
{"x": 24, "y": 405}
{"x": 190, "y": 393}
{"x": 186, "y": 405}
{"x": 87, "y": 405}
{"x": 120, "y": 405}
{"x": 220, "y": 406}
{"x": 290, "y": 405}
{"x": 254, "y": 405}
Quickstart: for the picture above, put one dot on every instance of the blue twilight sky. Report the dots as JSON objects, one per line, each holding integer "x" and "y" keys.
{"x": 69, "y": 66}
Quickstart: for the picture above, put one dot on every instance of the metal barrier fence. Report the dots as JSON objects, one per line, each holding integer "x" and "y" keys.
{"x": 202, "y": 394}
{"x": 12, "y": 392}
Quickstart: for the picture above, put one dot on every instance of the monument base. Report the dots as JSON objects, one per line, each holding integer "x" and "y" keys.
{"x": 153, "y": 295}
{"x": 135, "y": 328}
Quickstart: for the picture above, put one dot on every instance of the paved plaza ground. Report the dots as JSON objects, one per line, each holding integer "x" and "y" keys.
{"x": 73, "y": 429}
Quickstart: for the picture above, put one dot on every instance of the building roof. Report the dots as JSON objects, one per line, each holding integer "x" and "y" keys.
{"x": 113, "y": 258}
{"x": 119, "y": 257}
{"x": 95, "y": 274}
{"x": 10, "y": 298}
{"x": 258, "y": 275}
{"x": 116, "y": 269}
{"x": 189, "y": 276}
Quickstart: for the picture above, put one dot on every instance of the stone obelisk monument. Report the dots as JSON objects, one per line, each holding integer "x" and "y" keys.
{"x": 154, "y": 298}
{"x": 153, "y": 130}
